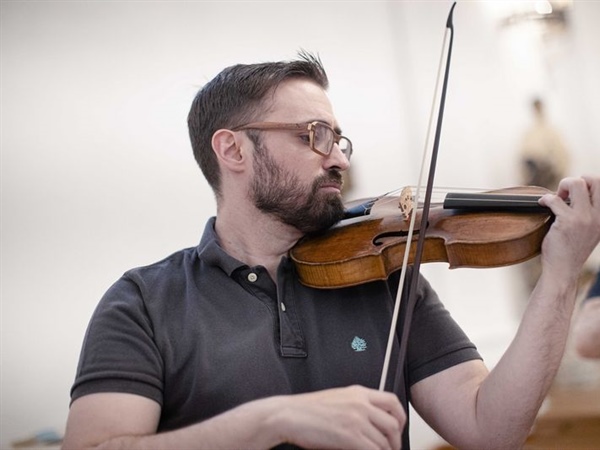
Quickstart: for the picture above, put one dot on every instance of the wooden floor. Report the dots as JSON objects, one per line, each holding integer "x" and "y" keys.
{"x": 570, "y": 419}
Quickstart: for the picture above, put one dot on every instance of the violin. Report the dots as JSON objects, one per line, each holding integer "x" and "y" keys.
{"x": 492, "y": 229}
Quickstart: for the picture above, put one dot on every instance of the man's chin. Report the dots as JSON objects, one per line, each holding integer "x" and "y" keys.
{"x": 326, "y": 219}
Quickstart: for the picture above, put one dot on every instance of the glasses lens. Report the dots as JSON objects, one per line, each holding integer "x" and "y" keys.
{"x": 345, "y": 147}
{"x": 322, "y": 138}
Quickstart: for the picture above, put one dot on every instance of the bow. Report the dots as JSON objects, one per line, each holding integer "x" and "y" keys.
{"x": 412, "y": 293}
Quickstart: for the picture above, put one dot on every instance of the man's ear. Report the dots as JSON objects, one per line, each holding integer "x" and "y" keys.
{"x": 226, "y": 145}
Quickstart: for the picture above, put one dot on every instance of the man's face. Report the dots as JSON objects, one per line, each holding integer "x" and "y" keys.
{"x": 279, "y": 191}
{"x": 298, "y": 186}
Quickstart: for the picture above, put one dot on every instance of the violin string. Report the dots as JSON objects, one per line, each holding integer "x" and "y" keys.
{"x": 405, "y": 202}
{"x": 439, "y": 194}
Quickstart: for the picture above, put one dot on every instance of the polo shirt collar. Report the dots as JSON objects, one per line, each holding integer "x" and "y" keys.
{"x": 210, "y": 251}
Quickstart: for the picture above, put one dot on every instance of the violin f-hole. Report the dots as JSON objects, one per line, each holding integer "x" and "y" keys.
{"x": 378, "y": 240}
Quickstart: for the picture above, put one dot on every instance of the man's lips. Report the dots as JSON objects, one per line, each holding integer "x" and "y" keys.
{"x": 331, "y": 185}
{"x": 331, "y": 181}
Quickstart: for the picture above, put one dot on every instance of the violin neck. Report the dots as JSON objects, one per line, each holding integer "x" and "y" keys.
{"x": 494, "y": 202}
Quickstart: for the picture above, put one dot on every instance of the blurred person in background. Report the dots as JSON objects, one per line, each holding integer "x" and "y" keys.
{"x": 544, "y": 155}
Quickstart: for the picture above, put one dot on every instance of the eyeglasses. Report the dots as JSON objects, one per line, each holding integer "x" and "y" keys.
{"x": 321, "y": 136}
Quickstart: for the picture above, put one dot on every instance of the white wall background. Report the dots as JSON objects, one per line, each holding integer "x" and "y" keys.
{"x": 98, "y": 174}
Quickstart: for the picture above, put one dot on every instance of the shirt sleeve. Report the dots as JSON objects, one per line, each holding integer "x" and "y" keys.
{"x": 436, "y": 342}
{"x": 594, "y": 290}
{"x": 119, "y": 353}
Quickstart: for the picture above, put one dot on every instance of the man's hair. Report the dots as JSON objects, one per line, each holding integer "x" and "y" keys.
{"x": 236, "y": 96}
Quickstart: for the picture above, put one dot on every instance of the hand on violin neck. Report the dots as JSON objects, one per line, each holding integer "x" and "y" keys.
{"x": 576, "y": 228}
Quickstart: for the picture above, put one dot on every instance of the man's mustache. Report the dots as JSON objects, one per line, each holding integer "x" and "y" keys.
{"x": 331, "y": 177}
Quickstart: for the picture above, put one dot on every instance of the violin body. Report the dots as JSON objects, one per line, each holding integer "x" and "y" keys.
{"x": 371, "y": 247}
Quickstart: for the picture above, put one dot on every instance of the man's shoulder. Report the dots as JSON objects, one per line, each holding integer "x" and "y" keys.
{"x": 174, "y": 266}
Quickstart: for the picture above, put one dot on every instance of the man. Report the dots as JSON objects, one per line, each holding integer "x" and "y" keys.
{"x": 586, "y": 331}
{"x": 221, "y": 347}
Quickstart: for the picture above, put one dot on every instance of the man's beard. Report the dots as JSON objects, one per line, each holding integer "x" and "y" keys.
{"x": 281, "y": 194}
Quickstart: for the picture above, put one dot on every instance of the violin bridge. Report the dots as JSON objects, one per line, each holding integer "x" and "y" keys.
{"x": 406, "y": 202}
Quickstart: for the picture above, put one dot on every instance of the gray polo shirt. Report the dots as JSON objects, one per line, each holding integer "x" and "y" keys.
{"x": 200, "y": 333}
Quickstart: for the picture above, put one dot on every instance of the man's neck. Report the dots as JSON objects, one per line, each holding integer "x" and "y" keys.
{"x": 255, "y": 238}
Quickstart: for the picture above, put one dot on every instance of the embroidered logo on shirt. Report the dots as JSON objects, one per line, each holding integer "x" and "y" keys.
{"x": 358, "y": 344}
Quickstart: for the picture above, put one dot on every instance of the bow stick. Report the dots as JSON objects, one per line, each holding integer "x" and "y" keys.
{"x": 412, "y": 293}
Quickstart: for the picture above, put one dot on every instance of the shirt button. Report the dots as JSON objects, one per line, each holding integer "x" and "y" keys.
{"x": 252, "y": 277}
{"x": 283, "y": 306}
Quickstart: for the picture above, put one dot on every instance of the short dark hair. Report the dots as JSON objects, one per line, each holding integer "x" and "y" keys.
{"x": 236, "y": 96}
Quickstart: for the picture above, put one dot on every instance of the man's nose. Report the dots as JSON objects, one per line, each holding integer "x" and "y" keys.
{"x": 336, "y": 159}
